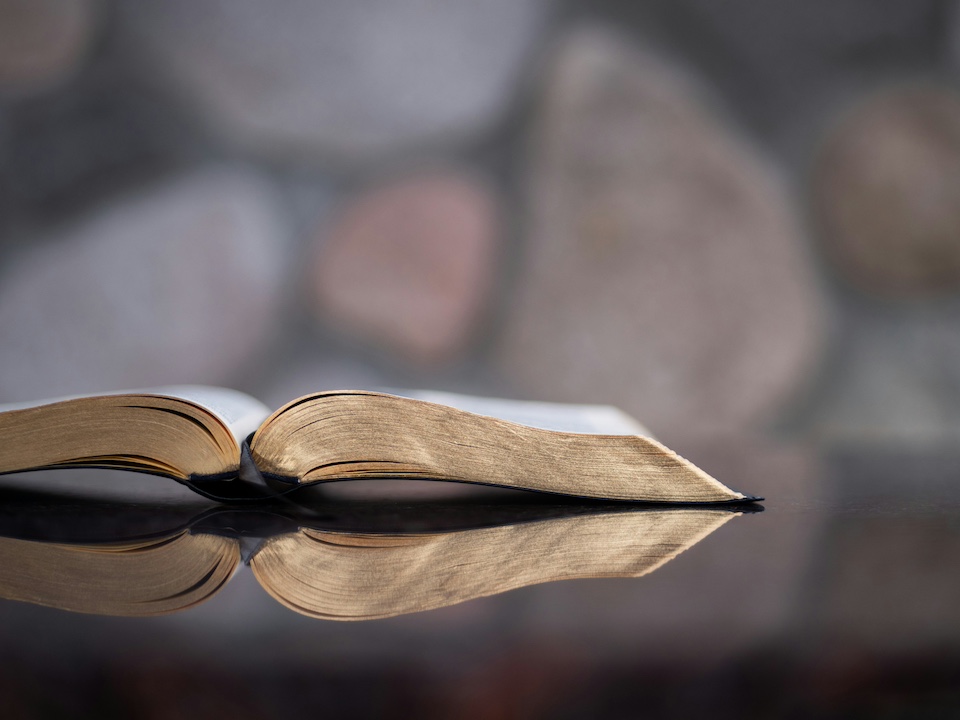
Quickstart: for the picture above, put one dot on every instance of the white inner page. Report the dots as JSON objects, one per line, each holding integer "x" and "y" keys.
{"x": 238, "y": 411}
{"x": 242, "y": 413}
{"x": 589, "y": 419}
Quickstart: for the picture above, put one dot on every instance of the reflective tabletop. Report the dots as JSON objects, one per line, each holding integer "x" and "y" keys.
{"x": 836, "y": 596}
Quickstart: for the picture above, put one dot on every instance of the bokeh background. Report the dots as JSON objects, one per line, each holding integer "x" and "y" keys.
{"x": 739, "y": 218}
{"x": 738, "y": 221}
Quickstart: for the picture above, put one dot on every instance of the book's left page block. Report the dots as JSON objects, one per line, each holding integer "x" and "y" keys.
{"x": 240, "y": 412}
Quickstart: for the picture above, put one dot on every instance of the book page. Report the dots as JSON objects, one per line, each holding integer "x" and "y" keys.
{"x": 238, "y": 411}
{"x": 241, "y": 412}
{"x": 587, "y": 419}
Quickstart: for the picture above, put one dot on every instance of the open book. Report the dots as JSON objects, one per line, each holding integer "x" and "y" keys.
{"x": 318, "y": 568}
{"x": 223, "y": 443}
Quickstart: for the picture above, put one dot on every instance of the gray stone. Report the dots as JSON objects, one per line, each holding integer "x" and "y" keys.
{"x": 895, "y": 380}
{"x": 43, "y": 41}
{"x": 665, "y": 272}
{"x": 409, "y": 265}
{"x": 348, "y": 79}
{"x": 886, "y": 191}
{"x": 177, "y": 284}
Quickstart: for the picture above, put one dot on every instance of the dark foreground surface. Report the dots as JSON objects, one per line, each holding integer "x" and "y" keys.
{"x": 840, "y": 599}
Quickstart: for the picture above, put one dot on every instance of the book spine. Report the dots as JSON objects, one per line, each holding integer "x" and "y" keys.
{"x": 246, "y": 484}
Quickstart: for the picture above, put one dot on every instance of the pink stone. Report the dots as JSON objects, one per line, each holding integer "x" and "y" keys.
{"x": 42, "y": 41}
{"x": 410, "y": 265}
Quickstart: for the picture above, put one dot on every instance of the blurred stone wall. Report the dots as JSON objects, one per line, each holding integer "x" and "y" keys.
{"x": 727, "y": 218}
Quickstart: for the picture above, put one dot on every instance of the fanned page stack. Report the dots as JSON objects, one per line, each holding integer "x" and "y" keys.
{"x": 206, "y": 436}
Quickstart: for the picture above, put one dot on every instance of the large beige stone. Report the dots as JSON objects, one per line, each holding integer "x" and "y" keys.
{"x": 409, "y": 265}
{"x": 664, "y": 270}
{"x": 348, "y": 80}
{"x": 886, "y": 191}
{"x": 177, "y": 284}
{"x": 43, "y": 41}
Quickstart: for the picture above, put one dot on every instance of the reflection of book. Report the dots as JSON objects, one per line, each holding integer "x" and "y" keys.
{"x": 338, "y": 574}
{"x": 149, "y": 577}
{"x": 206, "y": 437}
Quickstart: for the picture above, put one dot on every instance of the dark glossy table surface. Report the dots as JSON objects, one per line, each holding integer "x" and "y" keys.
{"x": 840, "y": 598}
